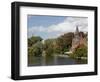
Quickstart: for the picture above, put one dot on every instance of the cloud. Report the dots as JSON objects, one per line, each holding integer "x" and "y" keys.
{"x": 68, "y": 25}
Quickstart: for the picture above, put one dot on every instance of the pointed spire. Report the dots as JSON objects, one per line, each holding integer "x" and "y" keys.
{"x": 77, "y": 30}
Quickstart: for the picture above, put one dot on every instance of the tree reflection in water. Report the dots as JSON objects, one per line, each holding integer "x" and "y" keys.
{"x": 53, "y": 60}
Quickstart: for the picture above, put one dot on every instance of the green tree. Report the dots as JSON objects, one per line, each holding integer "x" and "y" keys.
{"x": 32, "y": 40}
{"x": 35, "y": 46}
{"x": 80, "y": 52}
{"x": 64, "y": 42}
{"x": 49, "y": 46}
{"x": 38, "y": 48}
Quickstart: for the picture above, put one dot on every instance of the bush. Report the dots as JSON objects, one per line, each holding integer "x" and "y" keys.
{"x": 36, "y": 49}
{"x": 34, "y": 39}
{"x": 79, "y": 52}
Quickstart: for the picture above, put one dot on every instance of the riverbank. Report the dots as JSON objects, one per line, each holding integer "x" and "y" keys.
{"x": 62, "y": 55}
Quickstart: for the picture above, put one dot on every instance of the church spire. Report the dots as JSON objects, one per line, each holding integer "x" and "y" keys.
{"x": 77, "y": 30}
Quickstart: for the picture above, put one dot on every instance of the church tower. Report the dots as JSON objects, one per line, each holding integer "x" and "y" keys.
{"x": 76, "y": 39}
{"x": 77, "y": 30}
{"x": 76, "y": 34}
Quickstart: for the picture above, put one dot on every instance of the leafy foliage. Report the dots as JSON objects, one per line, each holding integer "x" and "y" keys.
{"x": 36, "y": 49}
{"x": 55, "y": 46}
{"x": 80, "y": 52}
{"x": 49, "y": 46}
{"x": 64, "y": 42}
{"x": 35, "y": 46}
{"x": 33, "y": 40}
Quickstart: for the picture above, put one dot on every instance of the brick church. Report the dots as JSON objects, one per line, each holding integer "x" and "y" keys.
{"x": 78, "y": 40}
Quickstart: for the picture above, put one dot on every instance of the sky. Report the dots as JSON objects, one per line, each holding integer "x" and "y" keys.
{"x": 53, "y": 26}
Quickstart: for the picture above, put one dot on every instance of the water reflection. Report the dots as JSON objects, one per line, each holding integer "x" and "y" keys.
{"x": 53, "y": 60}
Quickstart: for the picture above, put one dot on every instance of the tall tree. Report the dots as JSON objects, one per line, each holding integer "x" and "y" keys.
{"x": 32, "y": 40}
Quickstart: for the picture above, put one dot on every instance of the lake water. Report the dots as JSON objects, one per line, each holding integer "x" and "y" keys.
{"x": 53, "y": 60}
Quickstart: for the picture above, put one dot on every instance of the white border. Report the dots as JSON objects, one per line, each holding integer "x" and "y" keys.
{"x": 25, "y": 70}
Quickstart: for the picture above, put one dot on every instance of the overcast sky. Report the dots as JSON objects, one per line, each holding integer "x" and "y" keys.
{"x": 54, "y": 26}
